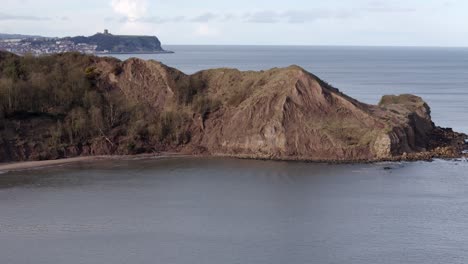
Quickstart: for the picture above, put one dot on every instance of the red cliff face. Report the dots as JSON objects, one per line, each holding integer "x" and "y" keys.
{"x": 286, "y": 114}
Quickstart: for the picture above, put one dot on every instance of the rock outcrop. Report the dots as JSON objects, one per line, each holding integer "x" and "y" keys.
{"x": 120, "y": 44}
{"x": 288, "y": 114}
{"x": 285, "y": 114}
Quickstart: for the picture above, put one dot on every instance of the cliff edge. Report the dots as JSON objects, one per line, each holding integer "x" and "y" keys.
{"x": 121, "y": 44}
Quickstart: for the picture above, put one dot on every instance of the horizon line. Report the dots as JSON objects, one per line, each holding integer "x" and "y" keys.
{"x": 272, "y": 45}
{"x": 319, "y": 45}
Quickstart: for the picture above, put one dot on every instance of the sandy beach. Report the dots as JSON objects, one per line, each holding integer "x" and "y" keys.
{"x": 27, "y": 165}
{"x": 15, "y": 166}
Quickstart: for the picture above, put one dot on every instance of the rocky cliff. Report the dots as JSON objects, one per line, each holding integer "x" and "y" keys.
{"x": 287, "y": 114}
{"x": 121, "y": 44}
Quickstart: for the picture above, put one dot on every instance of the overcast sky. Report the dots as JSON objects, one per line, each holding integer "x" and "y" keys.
{"x": 271, "y": 22}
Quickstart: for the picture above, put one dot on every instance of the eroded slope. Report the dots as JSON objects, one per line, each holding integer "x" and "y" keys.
{"x": 140, "y": 106}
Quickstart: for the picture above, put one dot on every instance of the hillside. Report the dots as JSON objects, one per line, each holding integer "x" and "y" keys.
{"x": 17, "y": 36}
{"x": 73, "y": 105}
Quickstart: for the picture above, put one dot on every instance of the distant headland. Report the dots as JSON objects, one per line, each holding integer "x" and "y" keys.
{"x": 100, "y": 43}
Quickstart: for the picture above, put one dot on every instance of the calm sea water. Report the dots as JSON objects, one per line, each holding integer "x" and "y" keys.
{"x": 212, "y": 211}
{"x": 229, "y": 211}
{"x": 439, "y": 75}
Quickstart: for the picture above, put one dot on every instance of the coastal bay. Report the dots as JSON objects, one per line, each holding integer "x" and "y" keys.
{"x": 217, "y": 210}
{"x": 278, "y": 132}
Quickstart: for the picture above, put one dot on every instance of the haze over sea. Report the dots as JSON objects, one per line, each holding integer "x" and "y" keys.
{"x": 210, "y": 210}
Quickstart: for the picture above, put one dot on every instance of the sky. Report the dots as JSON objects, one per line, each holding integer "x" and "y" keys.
{"x": 248, "y": 22}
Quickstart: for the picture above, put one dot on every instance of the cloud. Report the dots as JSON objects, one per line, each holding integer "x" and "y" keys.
{"x": 130, "y": 27}
{"x": 131, "y": 9}
{"x": 162, "y": 20}
{"x": 384, "y": 7}
{"x": 229, "y": 17}
{"x": 265, "y": 16}
{"x": 296, "y": 16}
{"x": 4, "y": 17}
{"x": 262, "y": 17}
{"x": 205, "y": 30}
{"x": 204, "y": 17}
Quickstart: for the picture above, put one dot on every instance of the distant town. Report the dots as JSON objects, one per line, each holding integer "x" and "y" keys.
{"x": 100, "y": 43}
{"x": 41, "y": 46}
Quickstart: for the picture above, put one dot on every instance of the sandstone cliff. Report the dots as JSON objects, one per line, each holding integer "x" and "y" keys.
{"x": 286, "y": 114}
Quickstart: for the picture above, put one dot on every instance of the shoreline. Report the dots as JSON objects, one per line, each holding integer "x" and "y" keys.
{"x": 30, "y": 165}
{"x": 135, "y": 53}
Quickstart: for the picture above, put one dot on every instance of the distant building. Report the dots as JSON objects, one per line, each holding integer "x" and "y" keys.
{"x": 106, "y": 32}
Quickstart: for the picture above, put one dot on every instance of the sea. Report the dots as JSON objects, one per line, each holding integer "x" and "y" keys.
{"x": 185, "y": 210}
